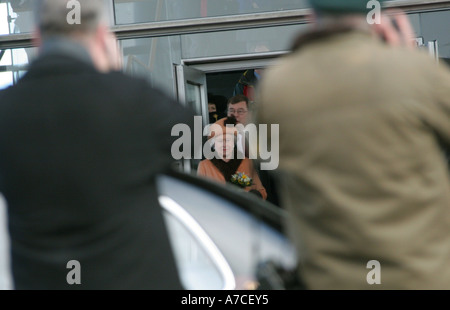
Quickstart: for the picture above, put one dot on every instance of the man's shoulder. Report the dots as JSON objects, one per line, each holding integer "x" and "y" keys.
{"x": 119, "y": 76}
{"x": 415, "y": 63}
{"x": 60, "y": 64}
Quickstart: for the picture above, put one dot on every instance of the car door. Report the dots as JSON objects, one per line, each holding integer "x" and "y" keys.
{"x": 239, "y": 233}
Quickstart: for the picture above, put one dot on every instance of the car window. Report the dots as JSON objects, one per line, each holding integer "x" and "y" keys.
{"x": 246, "y": 230}
{"x": 200, "y": 263}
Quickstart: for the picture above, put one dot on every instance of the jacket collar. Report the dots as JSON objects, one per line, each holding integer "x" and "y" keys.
{"x": 60, "y": 57}
{"x": 63, "y": 46}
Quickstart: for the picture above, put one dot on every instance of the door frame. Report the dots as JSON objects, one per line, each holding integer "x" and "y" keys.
{"x": 233, "y": 62}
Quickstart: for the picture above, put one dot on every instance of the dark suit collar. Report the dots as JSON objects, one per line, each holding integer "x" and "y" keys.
{"x": 63, "y": 46}
{"x": 60, "y": 57}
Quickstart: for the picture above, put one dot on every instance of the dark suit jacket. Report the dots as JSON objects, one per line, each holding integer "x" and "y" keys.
{"x": 79, "y": 153}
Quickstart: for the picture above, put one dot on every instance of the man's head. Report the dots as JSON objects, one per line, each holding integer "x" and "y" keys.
{"x": 83, "y": 21}
{"x": 337, "y": 7}
{"x": 358, "y": 14}
{"x": 238, "y": 107}
{"x": 54, "y": 17}
{"x": 342, "y": 12}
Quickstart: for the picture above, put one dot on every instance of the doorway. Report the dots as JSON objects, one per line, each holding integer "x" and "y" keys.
{"x": 222, "y": 83}
{"x": 218, "y": 80}
{"x": 220, "y": 89}
{"x": 201, "y": 80}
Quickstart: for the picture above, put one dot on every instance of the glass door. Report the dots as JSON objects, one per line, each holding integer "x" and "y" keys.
{"x": 192, "y": 92}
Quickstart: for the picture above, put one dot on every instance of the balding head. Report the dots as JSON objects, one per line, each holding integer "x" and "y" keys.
{"x": 85, "y": 22}
{"x": 53, "y": 17}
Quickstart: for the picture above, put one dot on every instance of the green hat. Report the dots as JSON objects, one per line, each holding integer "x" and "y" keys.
{"x": 342, "y": 6}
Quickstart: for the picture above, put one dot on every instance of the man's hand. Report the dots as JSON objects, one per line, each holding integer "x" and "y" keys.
{"x": 396, "y": 29}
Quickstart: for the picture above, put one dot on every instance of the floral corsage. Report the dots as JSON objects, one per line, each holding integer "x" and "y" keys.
{"x": 241, "y": 179}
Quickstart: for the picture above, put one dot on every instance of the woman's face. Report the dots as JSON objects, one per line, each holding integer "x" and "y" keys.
{"x": 225, "y": 146}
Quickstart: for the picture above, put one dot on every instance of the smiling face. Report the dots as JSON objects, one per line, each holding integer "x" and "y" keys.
{"x": 224, "y": 146}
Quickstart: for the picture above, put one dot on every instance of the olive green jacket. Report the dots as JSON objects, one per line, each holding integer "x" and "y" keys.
{"x": 364, "y": 175}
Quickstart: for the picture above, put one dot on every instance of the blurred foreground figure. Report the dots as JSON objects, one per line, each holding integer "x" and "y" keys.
{"x": 363, "y": 117}
{"x": 80, "y": 144}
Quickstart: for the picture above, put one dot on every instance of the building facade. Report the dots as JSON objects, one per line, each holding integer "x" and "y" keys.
{"x": 191, "y": 48}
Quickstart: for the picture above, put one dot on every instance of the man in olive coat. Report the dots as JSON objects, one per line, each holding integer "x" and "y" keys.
{"x": 363, "y": 118}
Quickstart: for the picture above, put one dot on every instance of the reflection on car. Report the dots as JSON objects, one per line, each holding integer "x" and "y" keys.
{"x": 220, "y": 234}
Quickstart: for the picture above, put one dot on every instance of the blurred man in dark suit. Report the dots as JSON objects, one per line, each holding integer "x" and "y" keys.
{"x": 80, "y": 146}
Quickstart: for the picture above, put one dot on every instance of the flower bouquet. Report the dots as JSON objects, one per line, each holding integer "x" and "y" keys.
{"x": 241, "y": 179}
